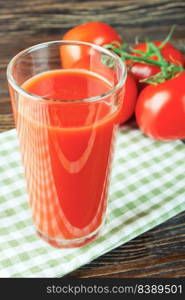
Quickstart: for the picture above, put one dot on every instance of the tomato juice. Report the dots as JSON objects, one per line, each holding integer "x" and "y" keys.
{"x": 66, "y": 145}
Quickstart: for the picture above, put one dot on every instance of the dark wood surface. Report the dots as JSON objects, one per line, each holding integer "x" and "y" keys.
{"x": 159, "y": 252}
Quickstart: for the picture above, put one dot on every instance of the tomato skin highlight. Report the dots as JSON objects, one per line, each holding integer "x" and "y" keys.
{"x": 93, "y": 32}
{"x": 98, "y": 33}
{"x": 143, "y": 70}
{"x": 160, "y": 109}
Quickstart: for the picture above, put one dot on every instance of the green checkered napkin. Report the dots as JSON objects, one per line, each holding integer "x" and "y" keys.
{"x": 147, "y": 188}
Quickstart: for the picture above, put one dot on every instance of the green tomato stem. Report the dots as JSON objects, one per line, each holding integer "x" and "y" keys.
{"x": 168, "y": 70}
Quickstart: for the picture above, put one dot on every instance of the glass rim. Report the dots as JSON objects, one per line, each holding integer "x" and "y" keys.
{"x": 35, "y": 97}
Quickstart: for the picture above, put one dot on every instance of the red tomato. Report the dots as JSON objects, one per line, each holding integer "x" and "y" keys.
{"x": 78, "y": 57}
{"x": 130, "y": 95}
{"x": 169, "y": 52}
{"x": 143, "y": 70}
{"x": 93, "y": 32}
{"x": 129, "y": 102}
{"x": 160, "y": 109}
{"x": 93, "y": 63}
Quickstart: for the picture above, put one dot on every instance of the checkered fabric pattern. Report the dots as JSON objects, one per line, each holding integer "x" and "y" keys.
{"x": 147, "y": 188}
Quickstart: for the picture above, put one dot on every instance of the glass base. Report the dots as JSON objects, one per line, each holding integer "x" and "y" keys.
{"x": 70, "y": 243}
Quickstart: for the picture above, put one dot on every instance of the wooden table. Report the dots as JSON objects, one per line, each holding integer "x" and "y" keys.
{"x": 159, "y": 252}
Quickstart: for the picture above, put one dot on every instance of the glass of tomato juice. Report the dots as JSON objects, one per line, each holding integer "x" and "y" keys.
{"x": 66, "y": 98}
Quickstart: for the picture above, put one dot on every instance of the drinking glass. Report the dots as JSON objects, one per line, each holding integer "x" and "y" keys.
{"x": 66, "y": 98}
